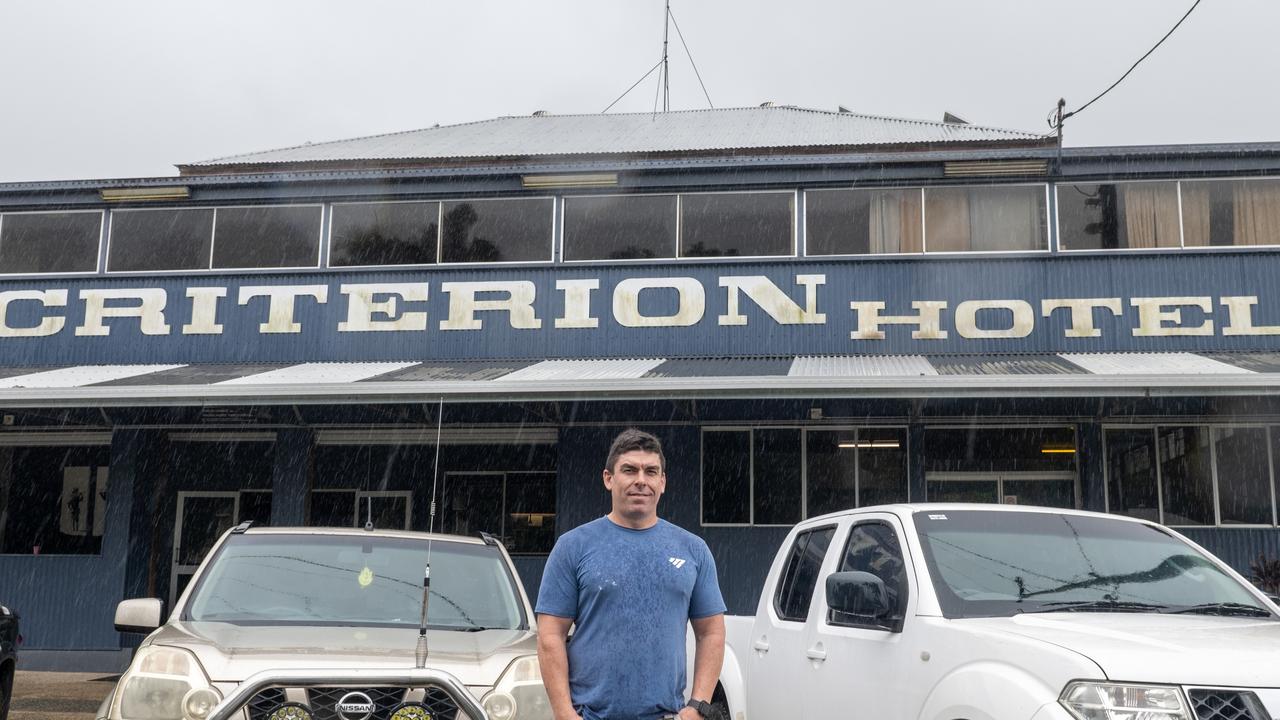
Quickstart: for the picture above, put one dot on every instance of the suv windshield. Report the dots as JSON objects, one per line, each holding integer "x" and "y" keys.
{"x": 992, "y": 563}
{"x": 308, "y": 579}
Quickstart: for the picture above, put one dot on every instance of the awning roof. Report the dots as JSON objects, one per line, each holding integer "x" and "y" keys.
{"x": 1064, "y": 375}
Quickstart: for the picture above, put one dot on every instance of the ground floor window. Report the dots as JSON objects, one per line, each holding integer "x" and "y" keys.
{"x": 53, "y": 499}
{"x": 1009, "y": 465}
{"x": 1192, "y": 474}
{"x": 779, "y": 475}
{"x": 518, "y": 508}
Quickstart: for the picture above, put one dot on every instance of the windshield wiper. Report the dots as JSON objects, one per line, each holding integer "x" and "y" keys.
{"x": 1096, "y": 606}
{"x": 1223, "y": 608}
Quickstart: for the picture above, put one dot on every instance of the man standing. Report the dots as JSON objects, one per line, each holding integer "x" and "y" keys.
{"x": 630, "y": 582}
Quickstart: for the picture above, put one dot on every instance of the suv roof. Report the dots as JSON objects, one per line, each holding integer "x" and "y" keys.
{"x": 360, "y": 532}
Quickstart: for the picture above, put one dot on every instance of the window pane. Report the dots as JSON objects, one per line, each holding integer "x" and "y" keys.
{"x": 832, "y": 470}
{"x": 800, "y": 575}
{"x": 736, "y": 224}
{"x": 160, "y": 239}
{"x": 393, "y": 233}
{"x": 962, "y": 219}
{"x": 53, "y": 500}
{"x": 882, "y": 466}
{"x": 620, "y": 227}
{"x": 726, "y": 477}
{"x": 332, "y": 509}
{"x": 472, "y": 503}
{"x": 531, "y": 512}
{"x": 1185, "y": 474}
{"x": 50, "y": 242}
{"x": 999, "y": 449}
{"x": 1236, "y": 212}
{"x": 497, "y": 231}
{"x": 1126, "y": 215}
{"x": 1244, "y": 476}
{"x": 874, "y": 548}
{"x": 777, "y": 477}
{"x": 1131, "y": 474}
{"x": 266, "y": 237}
{"x": 857, "y": 222}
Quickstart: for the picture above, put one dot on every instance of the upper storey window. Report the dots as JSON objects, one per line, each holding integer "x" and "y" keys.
{"x": 996, "y": 218}
{"x": 391, "y": 233}
{"x": 481, "y": 231}
{"x": 283, "y": 236}
{"x": 760, "y": 224}
{"x": 50, "y": 242}
{"x": 620, "y": 227}
{"x": 1119, "y": 215}
{"x": 861, "y": 222}
{"x": 1231, "y": 212}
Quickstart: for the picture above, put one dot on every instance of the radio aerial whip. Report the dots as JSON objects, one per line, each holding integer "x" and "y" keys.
{"x": 420, "y": 652}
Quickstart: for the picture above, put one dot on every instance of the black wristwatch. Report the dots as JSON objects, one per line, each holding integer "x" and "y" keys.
{"x": 705, "y": 709}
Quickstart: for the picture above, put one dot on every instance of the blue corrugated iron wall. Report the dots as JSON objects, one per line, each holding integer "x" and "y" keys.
{"x": 1238, "y": 547}
{"x": 66, "y": 602}
{"x": 896, "y": 282}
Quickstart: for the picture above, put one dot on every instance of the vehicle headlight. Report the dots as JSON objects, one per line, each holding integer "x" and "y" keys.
{"x": 519, "y": 694}
{"x": 1112, "y": 701}
{"x": 165, "y": 683}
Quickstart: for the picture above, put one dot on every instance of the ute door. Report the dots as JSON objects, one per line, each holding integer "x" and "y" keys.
{"x": 776, "y": 661}
{"x": 860, "y": 664}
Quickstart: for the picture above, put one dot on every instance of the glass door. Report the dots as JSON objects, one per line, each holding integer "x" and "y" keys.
{"x": 202, "y": 518}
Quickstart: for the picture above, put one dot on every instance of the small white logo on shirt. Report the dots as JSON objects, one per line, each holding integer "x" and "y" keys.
{"x": 678, "y": 562}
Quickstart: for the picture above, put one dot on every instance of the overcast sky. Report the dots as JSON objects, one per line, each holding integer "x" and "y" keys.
{"x": 128, "y": 88}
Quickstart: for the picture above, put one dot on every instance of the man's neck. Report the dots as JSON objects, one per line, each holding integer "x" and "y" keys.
{"x": 641, "y": 523}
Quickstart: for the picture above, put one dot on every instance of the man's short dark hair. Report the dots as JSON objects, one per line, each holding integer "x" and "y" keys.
{"x": 633, "y": 439}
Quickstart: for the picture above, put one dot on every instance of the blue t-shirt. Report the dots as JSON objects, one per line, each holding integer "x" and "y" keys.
{"x": 630, "y": 594}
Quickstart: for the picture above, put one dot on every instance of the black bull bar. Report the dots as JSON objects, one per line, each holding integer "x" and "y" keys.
{"x": 230, "y": 706}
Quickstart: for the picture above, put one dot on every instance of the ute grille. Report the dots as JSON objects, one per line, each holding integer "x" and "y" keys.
{"x": 323, "y": 702}
{"x": 1214, "y": 704}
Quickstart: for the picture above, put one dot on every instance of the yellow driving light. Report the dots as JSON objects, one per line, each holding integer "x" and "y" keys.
{"x": 411, "y": 711}
{"x": 291, "y": 711}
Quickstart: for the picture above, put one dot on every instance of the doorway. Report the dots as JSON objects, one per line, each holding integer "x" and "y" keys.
{"x": 202, "y": 518}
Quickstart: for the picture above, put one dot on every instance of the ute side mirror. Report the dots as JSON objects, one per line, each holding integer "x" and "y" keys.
{"x": 141, "y": 615}
{"x": 858, "y": 593}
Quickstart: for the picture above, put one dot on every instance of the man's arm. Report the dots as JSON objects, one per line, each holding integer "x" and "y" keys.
{"x": 553, "y": 657}
{"x": 708, "y": 656}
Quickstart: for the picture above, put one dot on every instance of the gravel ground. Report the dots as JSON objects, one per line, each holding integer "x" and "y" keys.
{"x": 58, "y": 696}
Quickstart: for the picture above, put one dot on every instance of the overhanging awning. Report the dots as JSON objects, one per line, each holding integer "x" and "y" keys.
{"x": 872, "y": 376}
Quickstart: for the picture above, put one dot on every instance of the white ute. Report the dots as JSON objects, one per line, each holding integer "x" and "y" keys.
{"x": 981, "y": 612}
{"x": 323, "y": 624}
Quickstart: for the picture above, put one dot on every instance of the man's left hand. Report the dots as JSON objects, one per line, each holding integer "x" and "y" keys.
{"x": 690, "y": 714}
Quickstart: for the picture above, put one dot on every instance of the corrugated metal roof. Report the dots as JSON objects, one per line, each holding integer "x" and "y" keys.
{"x": 862, "y": 366}
{"x": 635, "y": 133}
{"x": 607, "y": 369}
{"x": 461, "y": 370}
{"x": 80, "y": 375}
{"x": 1003, "y": 365}
{"x": 1152, "y": 364}
{"x": 722, "y": 367}
{"x": 319, "y": 373}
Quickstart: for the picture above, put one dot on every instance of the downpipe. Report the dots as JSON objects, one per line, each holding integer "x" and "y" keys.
{"x": 302, "y": 678}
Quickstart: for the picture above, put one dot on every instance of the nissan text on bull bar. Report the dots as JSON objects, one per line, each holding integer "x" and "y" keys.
{"x": 335, "y": 624}
{"x": 982, "y": 612}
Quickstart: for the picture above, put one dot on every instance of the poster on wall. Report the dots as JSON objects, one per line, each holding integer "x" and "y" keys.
{"x": 75, "y": 501}
{"x": 100, "y": 502}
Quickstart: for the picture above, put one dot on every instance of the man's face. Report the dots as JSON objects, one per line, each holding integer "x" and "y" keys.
{"x": 636, "y": 481}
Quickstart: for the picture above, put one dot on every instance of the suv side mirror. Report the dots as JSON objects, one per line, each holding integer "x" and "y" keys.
{"x": 858, "y": 593}
{"x": 139, "y": 616}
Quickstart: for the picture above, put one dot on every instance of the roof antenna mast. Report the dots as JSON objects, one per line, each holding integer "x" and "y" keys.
{"x": 666, "y": 67}
{"x": 420, "y": 651}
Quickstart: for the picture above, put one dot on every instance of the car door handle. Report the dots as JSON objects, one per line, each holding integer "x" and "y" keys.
{"x": 761, "y": 645}
{"x": 817, "y": 652}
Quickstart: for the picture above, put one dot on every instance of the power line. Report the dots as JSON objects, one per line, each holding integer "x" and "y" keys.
{"x": 1131, "y": 69}
{"x": 690, "y": 55}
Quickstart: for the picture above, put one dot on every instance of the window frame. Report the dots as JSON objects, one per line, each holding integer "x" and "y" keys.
{"x": 904, "y": 599}
{"x": 795, "y": 225}
{"x": 1154, "y": 428}
{"x": 804, "y": 467}
{"x": 503, "y": 511}
{"x": 834, "y": 527}
{"x": 1057, "y": 218}
{"x": 98, "y": 262}
{"x": 106, "y": 263}
{"x": 328, "y": 234}
{"x": 213, "y": 244}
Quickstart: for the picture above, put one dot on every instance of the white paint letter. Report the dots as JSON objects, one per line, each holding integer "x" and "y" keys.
{"x": 1240, "y": 317}
{"x": 577, "y": 303}
{"x": 1152, "y": 315}
{"x": 1082, "y": 313}
{"x": 772, "y": 300}
{"x": 626, "y": 302}
{"x": 463, "y": 304}
{"x": 1023, "y": 320}
{"x": 149, "y": 310}
{"x": 204, "y": 311}
{"x": 49, "y": 324}
{"x": 928, "y": 322}
{"x": 283, "y": 299}
{"x": 361, "y": 307}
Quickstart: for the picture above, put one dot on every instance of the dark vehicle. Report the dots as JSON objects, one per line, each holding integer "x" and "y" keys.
{"x": 9, "y": 639}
